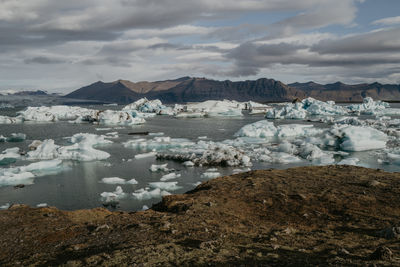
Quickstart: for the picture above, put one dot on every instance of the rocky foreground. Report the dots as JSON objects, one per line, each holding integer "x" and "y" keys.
{"x": 333, "y": 215}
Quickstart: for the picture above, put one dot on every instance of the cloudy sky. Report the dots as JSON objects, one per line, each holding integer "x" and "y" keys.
{"x": 60, "y": 46}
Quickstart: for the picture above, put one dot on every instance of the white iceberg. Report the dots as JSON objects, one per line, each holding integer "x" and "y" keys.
{"x": 113, "y": 180}
{"x": 11, "y": 120}
{"x": 359, "y": 138}
{"x": 210, "y": 175}
{"x": 145, "y": 193}
{"x": 214, "y": 108}
{"x": 159, "y": 168}
{"x": 168, "y": 186}
{"x": 170, "y": 176}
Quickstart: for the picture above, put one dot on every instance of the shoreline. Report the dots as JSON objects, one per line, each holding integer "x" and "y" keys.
{"x": 324, "y": 215}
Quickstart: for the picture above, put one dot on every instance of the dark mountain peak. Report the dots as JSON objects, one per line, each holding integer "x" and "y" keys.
{"x": 37, "y": 92}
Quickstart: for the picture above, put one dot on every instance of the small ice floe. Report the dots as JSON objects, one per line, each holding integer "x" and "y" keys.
{"x": 113, "y": 180}
{"x": 170, "y": 176}
{"x": 25, "y": 174}
{"x": 10, "y": 155}
{"x": 349, "y": 161}
{"x": 359, "y": 138}
{"x": 112, "y": 198}
{"x": 146, "y": 193}
{"x": 369, "y": 106}
{"x": 168, "y": 186}
{"x": 188, "y": 163}
{"x": 159, "y": 168}
{"x": 16, "y": 137}
{"x": 145, "y": 155}
{"x": 210, "y": 175}
{"x": 202, "y": 137}
{"x": 11, "y": 120}
{"x": 42, "y": 205}
{"x": 196, "y": 183}
{"x": 5, "y": 206}
{"x": 216, "y": 108}
{"x": 82, "y": 149}
{"x": 267, "y": 129}
{"x": 156, "y": 134}
{"x": 145, "y": 208}
{"x": 103, "y": 129}
{"x": 117, "y": 180}
{"x": 149, "y": 106}
{"x": 212, "y": 170}
{"x": 158, "y": 143}
{"x": 209, "y": 154}
{"x": 306, "y": 107}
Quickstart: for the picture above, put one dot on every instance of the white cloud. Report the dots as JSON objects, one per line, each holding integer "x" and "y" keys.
{"x": 387, "y": 21}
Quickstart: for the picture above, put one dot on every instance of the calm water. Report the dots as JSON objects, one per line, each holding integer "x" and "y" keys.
{"x": 78, "y": 186}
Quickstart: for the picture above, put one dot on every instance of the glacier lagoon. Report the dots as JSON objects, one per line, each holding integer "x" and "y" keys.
{"x": 73, "y": 183}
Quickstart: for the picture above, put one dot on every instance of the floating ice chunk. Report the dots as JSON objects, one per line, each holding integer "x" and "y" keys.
{"x": 214, "y": 108}
{"x": 113, "y": 180}
{"x": 54, "y": 113}
{"x": 5, "y": 206}
{"x": 159, "y": 168}
{"x": 209, "y": 153}
{"x": 118, "y": 193}
{"x": 156, "y": 134}
{"x": 169, "y": 186}
{"x": 145, "y": 194}
{"x": 202, "y": 137}
{"x": 16, "y": 137}
{"x": 145, "y": 155}
{"x": 9, "y": 155}
{"x": 25, "y": 174}
{"x": 11, "y": 120}
{"x": 295, "y": 130}
{"x": 149, "y": 106}
{"x": 132, "y": 181}
{"x": 350, "y": 121}
{"x": 196, "y": 183}
{"x": 360, "y": 138}
{"x": 45, "y": 150}
{"x": 113, "y": 117}
{"x": 212, "y": 170}
{"x": 170, "y": 176}
{"x": 210, "y": 175}
{"x": 188, "y": 163}
{"x": 257, "y": 108}
{"x": 42, "y": 205}
{"x": 191, "y": 115}
{"x": 369, "y": 106}
{"x": 307, "y": 107}
{"x": 349, "y": 161}
{"x": 315, "y": 154}
{"x": 267, "y": 129}
{"x": 81, "y": 149}
{"x": 260, "y": 129}
{"x": 103, "y": 129}
{"x": 158, "y": 143}
{"x": 145, "y": 208}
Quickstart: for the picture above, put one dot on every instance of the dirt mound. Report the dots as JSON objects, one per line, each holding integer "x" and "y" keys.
{"x": 333, "y": 215}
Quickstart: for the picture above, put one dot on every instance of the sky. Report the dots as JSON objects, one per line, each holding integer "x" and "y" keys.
{"x": 60, "y": 46}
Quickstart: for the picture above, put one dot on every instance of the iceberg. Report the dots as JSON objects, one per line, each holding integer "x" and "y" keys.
{"x": 170, "y": 176}
{"x": 369, "y": 106}
{"x": 159, "y": 168}
{"x": 82, "y": 149}
{"x": 9, "y": 155}
{"x": 210, "y": 175}
{"x": 307, "y": 107}
{"x": 359, "y": 138}
{"x": 169, "y": 186}
{"x": 145, "y": 193}
{"x": 149, "y": 106}
{"x": 25, "y": 174}
{"x": 54, "y": 113}
{"x": 11, "y": 120}
{"x": 213, "y": 108}
{"x": 113, "y": 180}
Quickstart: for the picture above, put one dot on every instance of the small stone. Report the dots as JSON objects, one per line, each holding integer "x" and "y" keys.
{"x": 373, "y": 183}
{"x": 382, "y": 253}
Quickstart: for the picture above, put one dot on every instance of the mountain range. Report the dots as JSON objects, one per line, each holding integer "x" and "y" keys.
{"x": 188, "y": 89}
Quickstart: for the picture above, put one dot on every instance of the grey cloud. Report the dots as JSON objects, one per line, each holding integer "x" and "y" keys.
{"x": 374, "y": 42}
{"x": 44, "y": 60}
